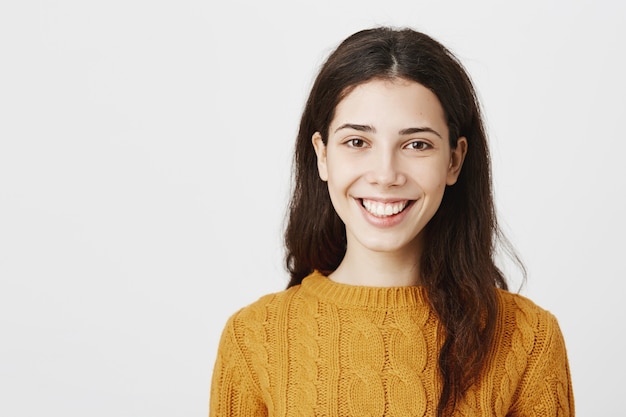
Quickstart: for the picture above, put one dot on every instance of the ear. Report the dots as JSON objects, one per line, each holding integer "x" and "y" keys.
{"x": 457, "y": 156}
{"x": 320, "y": 151}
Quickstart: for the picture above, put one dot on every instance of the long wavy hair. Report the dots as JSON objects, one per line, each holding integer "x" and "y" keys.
{"x": 457, "y": 264}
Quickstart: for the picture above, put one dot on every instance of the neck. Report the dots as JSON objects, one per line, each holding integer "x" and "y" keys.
{"x": 378, "y": 269}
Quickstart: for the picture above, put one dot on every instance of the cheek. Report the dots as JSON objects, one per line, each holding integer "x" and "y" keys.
{"x": 431, "y": 178}
{"x": 338, "y": 185}
{"x": 341, "y": 173}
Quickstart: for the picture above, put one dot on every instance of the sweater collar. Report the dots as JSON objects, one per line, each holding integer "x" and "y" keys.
{"x": 362, "y": 296}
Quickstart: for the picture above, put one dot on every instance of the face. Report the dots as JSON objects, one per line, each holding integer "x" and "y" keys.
{"x": 387, "y": 162}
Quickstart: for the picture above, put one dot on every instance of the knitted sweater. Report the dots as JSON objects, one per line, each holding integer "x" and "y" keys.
{"x": 328, "y": 349}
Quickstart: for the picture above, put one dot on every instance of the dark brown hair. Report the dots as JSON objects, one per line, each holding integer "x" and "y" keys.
{"x": 457, "y": 263}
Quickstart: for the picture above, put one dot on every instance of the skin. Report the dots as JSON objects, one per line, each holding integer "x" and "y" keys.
{"x": 387, "y": 147}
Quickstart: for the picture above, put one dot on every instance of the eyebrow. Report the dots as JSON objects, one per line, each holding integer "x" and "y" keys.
{"x": 371, "y": 129}
{"x": 411, "y": 130}
{"x": 360, "y": 128}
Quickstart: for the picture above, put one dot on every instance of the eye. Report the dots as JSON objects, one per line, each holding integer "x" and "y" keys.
{"x": 355, "y": 143}
{"x": 419, "y": 145}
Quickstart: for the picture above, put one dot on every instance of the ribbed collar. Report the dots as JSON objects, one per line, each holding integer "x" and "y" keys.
{"x": 361, "y": 296}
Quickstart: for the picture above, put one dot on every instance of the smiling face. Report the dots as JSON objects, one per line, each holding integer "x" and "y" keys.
{"x": 387, "y": 162}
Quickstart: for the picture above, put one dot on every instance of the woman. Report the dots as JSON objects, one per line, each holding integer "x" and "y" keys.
{"x": 395, "y": 306}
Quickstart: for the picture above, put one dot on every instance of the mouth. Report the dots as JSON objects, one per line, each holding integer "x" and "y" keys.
{"x": 384, "y": 209}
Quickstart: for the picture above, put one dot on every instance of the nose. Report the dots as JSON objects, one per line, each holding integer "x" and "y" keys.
{"x": 385, "y": 170}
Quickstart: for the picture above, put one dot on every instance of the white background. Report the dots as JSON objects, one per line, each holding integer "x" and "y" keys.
{"x": 144, "y": 169}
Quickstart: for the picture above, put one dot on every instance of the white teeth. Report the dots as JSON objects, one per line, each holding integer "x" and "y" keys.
{"x": 384, "y": 209}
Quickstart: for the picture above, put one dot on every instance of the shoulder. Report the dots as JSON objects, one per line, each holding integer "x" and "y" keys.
{"x": 523, "y": 308}
{"x": 534, "y": 354}
{"x": 263, "y": 310}
{"x": 531, "y": 328}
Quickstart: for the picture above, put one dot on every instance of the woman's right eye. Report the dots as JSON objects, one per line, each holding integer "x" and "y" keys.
{"x": 355, "y": 143}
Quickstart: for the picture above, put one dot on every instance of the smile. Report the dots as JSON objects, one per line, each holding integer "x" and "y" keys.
{"x": 381, "y": 209}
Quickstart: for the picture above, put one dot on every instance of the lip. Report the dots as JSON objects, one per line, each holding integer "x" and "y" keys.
{"x": 386, "y": 221}
{"x": 385, "y": 200}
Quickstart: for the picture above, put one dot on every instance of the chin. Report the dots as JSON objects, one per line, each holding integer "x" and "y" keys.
{"x": 388, "y": 246}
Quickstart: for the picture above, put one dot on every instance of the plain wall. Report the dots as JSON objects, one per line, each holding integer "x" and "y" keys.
{"x": 145, "y": 155}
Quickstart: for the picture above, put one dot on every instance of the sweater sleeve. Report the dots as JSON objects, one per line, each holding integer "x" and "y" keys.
{"x": 547, "y": 386}
{"x": 234, "y": 392}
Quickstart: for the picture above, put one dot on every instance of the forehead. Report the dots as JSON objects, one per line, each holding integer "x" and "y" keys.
{"x": 389, "y": 101}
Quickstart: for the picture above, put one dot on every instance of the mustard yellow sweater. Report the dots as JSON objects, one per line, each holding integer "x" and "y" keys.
{"x": 327, "y": 349}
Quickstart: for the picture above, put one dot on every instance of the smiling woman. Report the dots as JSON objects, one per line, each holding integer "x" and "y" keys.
{"x": 395, "y": 305}
{"x": 386, "y": 177}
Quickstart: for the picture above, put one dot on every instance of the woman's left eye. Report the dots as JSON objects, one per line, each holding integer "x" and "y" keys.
{"x": 418, "y": 145}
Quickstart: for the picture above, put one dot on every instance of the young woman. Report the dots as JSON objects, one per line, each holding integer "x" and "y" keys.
{"x": 395, "y": 306}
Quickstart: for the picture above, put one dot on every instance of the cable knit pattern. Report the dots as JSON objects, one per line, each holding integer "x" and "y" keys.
{"x": 327, "y": 349}
{"x": 523, "y": 323}
{"x": 252, "y": 340}
{"x": 365, "y": 357}
{"x": 302, "y": 374}
{"x": 408, "y": 354}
